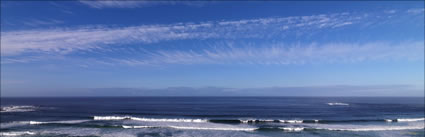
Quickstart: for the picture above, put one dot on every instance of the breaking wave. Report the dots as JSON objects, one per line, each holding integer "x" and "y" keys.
{"x": 17, "y": 133}
{"x": 18, "y": 109}
{"x": 56, "y": 122}
{"x": 22, "y": 123}
{"x": 196, "y": 128}
{"x": 373, "y": 128}
{"x": 338, "y": 104}
{"x": 292, "y": 129}
{"x": 250, "y": 121}
{"x": 148, "y": 119}
{"x": 410, "y": 119}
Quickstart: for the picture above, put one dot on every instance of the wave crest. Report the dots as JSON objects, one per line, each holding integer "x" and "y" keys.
{"x": 338, "y": 104}
{"x": 195, "y": 128}
{"x": 148, "y": 119}
{"x": 410, "y": 119}
{"x": 17, "y": 133}
{"x": 18, "y": 109}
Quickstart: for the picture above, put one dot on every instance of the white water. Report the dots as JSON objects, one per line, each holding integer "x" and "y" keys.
{"x": 291, "y": 121}
{"x": 18, "y": 109}
{"x": 338, "y": 104}
{"x": 17, "y": 133}
{"x": 215, "y": 128}
{"x": 197, "y": 128}
{"x": 388, "y": 120}
{"x": 410, "y": 119}
{"x": 148, "y": 119}
{"x": 375, "y": 128}
{"x": 270, "y": 120}
{"x": 56, "y": 122}
{"x": 384, "y": 127}
{"x": 296, "y": 129}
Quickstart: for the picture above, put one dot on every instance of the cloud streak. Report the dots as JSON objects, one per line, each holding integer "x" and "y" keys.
{"x": 40, "y": 44}
{"x": 100, "y": 4}
{"x": 46, "y": 22}
{"x": 65, "y": 40}
{"x": 283, "y": 54}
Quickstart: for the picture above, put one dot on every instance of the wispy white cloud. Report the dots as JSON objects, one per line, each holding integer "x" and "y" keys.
{"x": 115, "y": 3}
{"x": 416, "y": 10}
{"x": 39, "y": 22}
{"x": 281, "y": 54}
{"x": 24, "y": 46}
{"x": 65, "y": 40}
{"x": 134, "y": 3}
{"x": 390, "y": 11}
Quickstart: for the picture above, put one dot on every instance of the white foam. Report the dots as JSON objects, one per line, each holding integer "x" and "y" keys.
{"x": 148, "y": 119}
{"x": 354, "y": 127}
{"x": 410, "y": 119}
{"x": 296, "y": 129}
{"x": 194, "y": 128}
{"x": 110, "y": 117}
{"x": 138, "y": 126}
{"x": 248, "y": 121}
{"x": 35, "y": 122}
{"x": 374, "y": 128}
{"x": 214, "y": 128}
{"x": 56, "y": 122}
{"x": 291, "y": 121}
{"x": 338, "y": 104}
{"x": 18, "y": 109}
{"x": 255, "y": 120}
{"x": 17, "y": 133}
{"x": 388, "y": 120}
{"x": 169, "y": 120}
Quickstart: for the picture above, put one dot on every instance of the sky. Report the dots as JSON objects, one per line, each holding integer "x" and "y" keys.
{"x": 215, "y": 48}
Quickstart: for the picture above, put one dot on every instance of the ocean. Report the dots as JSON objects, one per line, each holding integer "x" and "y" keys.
{"x": 213, "y": 116}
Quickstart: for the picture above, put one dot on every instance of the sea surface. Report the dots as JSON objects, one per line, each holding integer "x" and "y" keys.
{"x": 213, "y": 116}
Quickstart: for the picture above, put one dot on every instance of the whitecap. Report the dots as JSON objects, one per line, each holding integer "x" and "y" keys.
{"x": 17, "y": 133}
{"x": 148, "y": 119}
{"x": 138, "y": 126}
{"x": 374, "y": 128}
{"x": 388, "y": 120}
{"x": 296, "y": 129}
{"x": 410, "y": 119}
{"x": 338, "y": 104}
{"x": 195, "y": 128}
{"x": 169, "y": 120}
{"x": 291, "y": 121}
{"x": 214, "y": 128}
{"x": 56, "y": 122}
{"x": 110, "y": 117}
{"x": 350, "y": 127}
{"x": 18, "y": 109}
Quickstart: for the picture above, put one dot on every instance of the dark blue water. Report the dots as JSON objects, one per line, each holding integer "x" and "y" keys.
{"x": 213, "y": 116}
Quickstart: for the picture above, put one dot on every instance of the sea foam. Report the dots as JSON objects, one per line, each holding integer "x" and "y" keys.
{"x": 195, "y": 128}
{"x": 17, "y": 133}
{"x": 148, "y": 119}
{"x": 374, "y": 128}
{"x": 292, "y": 129}
{"x": 410, "y": 119}
{"x": 18, "y": 108}
{"x": 56, "y": 122}
{"x": 338, "y": 104}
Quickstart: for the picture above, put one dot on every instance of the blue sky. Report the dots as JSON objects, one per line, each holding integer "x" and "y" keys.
{"x": 171, "y": 48}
